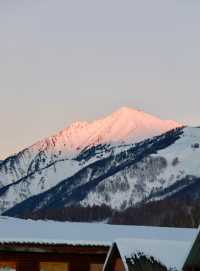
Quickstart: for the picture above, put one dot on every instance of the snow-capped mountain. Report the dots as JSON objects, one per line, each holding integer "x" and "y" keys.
{"x": 106, "y": 145}
{"x": 157, "y": 168}
{"x": 125, "y": 125}
{"x": 163, "y": 171}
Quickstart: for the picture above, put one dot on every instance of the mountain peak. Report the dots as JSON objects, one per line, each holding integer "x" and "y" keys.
{"x": 137, "y": 114}
{"x": 127, "y": 110}
{"x": 126, "y": 125}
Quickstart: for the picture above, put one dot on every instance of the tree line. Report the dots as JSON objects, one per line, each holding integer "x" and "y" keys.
{"x": 165, "y": 213}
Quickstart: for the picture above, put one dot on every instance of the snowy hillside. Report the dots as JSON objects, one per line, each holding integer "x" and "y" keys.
{"x": 52, "y": 160}
{"x": 173, "y": 167}
{"x": 95, "y": 165}
{"x": 121, "y": 176}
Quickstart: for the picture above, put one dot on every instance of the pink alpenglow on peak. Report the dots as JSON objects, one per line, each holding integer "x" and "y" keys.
{"x": 121, "y": 127}
{"x": 126, "y": 125}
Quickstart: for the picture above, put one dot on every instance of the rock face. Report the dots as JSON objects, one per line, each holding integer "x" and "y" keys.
{"x": 109, "y": 161}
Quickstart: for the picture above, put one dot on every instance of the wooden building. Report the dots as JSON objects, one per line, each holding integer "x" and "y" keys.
{"x": 51, "y": 257}
{"x": 27, "y": 245}
{"x": 50, "y": 246}
{"x": 147, "y": 255}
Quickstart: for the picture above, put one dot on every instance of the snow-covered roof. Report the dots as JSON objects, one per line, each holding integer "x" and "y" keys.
{"x": 169, "y": 253}
{"x": 13, "y": 230}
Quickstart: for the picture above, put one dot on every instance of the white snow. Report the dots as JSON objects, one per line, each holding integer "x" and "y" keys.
{"x": 50, "y": 232}
{"x": 148, "y": 176}
{"x": 38, "y": 183}
{"x": 188, "y": 157}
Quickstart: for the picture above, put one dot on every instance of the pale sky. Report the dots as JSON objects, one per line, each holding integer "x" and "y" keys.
{"x": 64, "y": 60}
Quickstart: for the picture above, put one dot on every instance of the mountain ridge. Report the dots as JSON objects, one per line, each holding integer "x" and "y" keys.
{"x": 122, "y": 114}
{"x": 70, "y": 141}
{"x": 81, "y": 134}
{"x": 107, "y": 167}
{"x": 91, "y": 150}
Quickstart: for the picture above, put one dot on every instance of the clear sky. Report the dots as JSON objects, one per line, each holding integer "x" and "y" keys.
{"x": 64, "y": 60}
